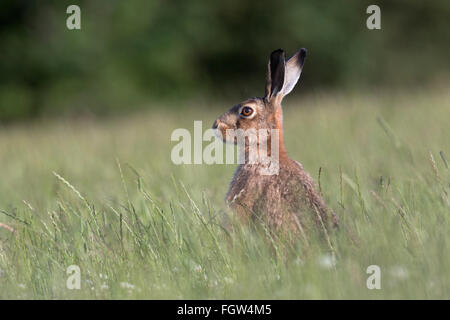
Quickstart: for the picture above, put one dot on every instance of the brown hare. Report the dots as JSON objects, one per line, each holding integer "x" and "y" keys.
{"x": 286, "y": 200}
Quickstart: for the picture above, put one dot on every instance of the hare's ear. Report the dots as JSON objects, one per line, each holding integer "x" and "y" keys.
{"x": 275, "y": 74}
{"x": 293, "y": 70}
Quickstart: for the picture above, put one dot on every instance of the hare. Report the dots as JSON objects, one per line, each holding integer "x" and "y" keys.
{"x": 287, "y": 199}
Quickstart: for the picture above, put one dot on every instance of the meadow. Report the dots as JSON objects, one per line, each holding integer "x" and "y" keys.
{"x": 104, "y": 195}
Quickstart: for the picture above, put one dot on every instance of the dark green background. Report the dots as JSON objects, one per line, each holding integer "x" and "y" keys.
{"x": 132, "y": 54}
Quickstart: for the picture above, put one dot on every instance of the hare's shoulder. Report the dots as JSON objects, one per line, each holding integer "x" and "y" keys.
{"x": 298, "y": 186}
{"x": 293, "y": 179}
{"x": 311, "y": 196}
{"x": 292, "y": 171}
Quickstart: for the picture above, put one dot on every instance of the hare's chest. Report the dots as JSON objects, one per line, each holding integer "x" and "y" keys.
{"x": 247, "y": 186}
{"x": 260, "y": 194}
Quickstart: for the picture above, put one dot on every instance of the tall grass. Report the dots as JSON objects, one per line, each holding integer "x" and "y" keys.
{"x": 105, "y": 196}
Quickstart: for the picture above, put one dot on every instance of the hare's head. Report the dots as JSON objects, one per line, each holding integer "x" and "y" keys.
{"x": 264, "y": 113}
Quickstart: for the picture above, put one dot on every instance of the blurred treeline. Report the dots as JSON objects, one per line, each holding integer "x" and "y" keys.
{"x": 132, "y": 53}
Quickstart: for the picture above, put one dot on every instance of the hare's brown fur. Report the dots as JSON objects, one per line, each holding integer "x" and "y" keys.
{"x": 285, "y": 201}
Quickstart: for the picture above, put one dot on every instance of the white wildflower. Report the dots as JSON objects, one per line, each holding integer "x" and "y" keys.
{"x": 228, "y": 280}
{"x": 399, "y": 272}
{"x": 104, "y": 286}
{"x": 327, "y": 261}
{"x": 299, "y": 261}
{"x": 126, "y": 285}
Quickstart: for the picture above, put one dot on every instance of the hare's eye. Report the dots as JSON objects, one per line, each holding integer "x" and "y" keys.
{"x": 246, "y": 111}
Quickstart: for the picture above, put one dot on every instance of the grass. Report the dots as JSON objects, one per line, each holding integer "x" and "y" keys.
{"x": 104, "y": 195}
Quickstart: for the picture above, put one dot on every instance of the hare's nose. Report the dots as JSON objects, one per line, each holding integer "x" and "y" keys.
{"x": 215, "y": 125}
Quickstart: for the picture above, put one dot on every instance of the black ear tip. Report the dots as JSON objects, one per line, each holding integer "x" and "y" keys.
{"x": 277, "y": 53}
{"x": 302, "y": 55}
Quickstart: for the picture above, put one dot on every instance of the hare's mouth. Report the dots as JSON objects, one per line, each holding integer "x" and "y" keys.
{"x": 220, "y": 130}
{"x": 220, "y": 133}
